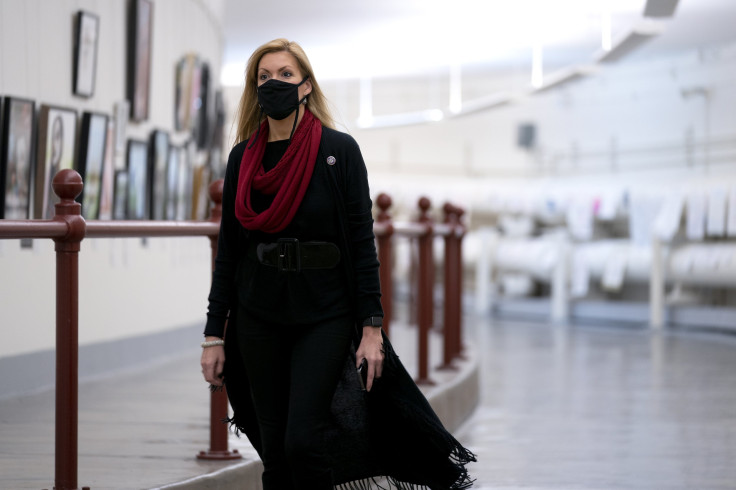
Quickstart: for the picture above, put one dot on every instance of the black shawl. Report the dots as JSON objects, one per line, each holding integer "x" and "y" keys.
{"x": 392, "y": 431}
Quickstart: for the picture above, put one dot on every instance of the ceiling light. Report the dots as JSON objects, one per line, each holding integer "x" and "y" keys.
{"x": 606, "y": 36}
{"x": 401, "y": 119}
{"x": 484, "y": 103}
{"x": 563, "y": 76}
{"x": 537, "y": 74}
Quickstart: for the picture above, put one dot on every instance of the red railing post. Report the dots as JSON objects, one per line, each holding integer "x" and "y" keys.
{"x": 457, "y": 261}
{"x": 452, "y": 287}
{"x": 385, "y": 258}
{"x": 425, "y": 289}
{"x": 218, "y": 399}
{"x": 67, "y": 184}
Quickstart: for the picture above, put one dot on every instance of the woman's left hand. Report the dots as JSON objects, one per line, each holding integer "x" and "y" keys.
{"x": 371, "y": 349}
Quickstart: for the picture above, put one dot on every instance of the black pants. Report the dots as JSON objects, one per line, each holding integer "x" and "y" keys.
{"x": 293, "y": 370}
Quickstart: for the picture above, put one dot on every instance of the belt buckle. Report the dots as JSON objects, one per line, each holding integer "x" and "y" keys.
{"x": 289, "y": 259}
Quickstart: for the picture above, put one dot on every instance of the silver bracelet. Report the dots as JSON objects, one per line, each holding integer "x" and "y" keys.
{"x": 212, "y": 343}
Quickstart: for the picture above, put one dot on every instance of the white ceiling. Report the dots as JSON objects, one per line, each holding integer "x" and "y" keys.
{"x": 374, "y": 38}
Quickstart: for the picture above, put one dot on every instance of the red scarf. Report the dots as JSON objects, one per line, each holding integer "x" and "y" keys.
{"x": 288, "y": 180}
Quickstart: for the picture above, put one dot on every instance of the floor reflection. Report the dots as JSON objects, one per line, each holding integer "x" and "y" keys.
{"x": 599, "y": 408}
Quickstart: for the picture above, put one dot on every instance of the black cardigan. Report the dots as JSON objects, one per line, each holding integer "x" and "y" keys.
{"x": 391, "y": 431}
{"x": 345, "y": 165}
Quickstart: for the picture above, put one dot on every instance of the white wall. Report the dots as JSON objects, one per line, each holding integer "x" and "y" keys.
{"x": 126, "y": 288}
{"x": 627, "y": 118}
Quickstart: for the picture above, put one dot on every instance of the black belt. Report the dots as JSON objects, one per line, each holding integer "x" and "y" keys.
{"x": 291, "y": 255}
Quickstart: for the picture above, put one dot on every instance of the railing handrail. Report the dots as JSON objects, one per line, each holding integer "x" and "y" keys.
{"x": 47, "y": 228}
{"x": 141, "y": 228}
{"x": 68, "y": 229}
{"x": 20, "y": 229}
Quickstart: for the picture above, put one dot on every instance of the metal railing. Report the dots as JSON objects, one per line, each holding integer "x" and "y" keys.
{"x": 68, "y": 228}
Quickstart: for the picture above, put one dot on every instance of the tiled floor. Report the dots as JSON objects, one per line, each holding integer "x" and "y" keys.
{"x": 602, "y": 408}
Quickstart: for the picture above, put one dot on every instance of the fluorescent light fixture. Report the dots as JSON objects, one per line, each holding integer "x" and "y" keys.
{"x": 563, "y": 76}
{"x": 631, "y": 41}
{"x": 366, "y": 98}
{"x": 401, "y": 119}
{"x": 660, "y": 8}
{"x": 484, "y": 103}
{"x": 606, "y": 36}
{"x": 537, "y": 60}
{"x": 456, "y": 89}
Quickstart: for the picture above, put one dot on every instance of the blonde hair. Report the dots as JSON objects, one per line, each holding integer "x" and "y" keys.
{"x": 249, "y": 112}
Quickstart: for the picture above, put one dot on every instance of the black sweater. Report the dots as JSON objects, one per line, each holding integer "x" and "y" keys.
{"x": 336, "y": 208}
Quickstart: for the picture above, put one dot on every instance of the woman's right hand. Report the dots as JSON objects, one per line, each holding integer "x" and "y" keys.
{"x": 213, "y": 361}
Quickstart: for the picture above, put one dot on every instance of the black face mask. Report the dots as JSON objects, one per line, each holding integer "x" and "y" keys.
{"x": 278, "y": 99}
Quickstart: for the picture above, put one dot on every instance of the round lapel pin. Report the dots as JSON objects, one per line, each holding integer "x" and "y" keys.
{"x": 331, "y": 160}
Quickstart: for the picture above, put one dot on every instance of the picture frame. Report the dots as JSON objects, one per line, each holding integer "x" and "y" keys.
{"x": 201, "y": 129}
{"x": 121, "y": 111}
{"x": 17, "y": 121}
{"x": 159, "y": 156}
{"x": 140, "y": 24}
{"x": 187, "y": 92}
{"x": 107, "y": 190}
{"x": 172, "y": 181}
{"x": 184, "y": 183}
{"x": 120, "y": 201}
{"x": 86, "y": 35}
{"x": 92, "y": 145}
{"x": 137, "y": 202}
{"x": 56, "y": 151}
{"x": 200, "y": 192}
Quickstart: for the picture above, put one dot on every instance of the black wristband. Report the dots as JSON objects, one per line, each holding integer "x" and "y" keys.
{"x": 373, "y": 321}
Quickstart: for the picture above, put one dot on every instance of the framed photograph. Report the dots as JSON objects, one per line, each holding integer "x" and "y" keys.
{"x": 184, "y": 183}
{"x": 139, "y": 57}
{"x": 172, "y": 181}
{"x": 16, "y": 160}
{"x": 138, "y": 173}
{"x": 201, "y": 129}
{"x": 120, "y": 206}
{"x": 187, "y": 92}
{"x": 200, "y": 192}
{"x": 91, "y": 161}
{"x": 86, "y": 33}
{"x": 218, "y": 122}
{"x": 159, "y": 156}
{"x": 120, "y": 116}
{"x": 56, "y": 150}
{"x": 107, "y": 189}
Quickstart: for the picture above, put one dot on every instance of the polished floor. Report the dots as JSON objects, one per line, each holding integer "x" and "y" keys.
{"x": 602, "y": 408}
{"x": 561, "y": 408}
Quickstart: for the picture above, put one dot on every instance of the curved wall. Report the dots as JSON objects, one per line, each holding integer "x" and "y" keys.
{"x": 130, "y": 287}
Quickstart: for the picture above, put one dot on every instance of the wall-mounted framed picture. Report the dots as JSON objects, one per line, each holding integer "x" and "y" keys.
{"x": 120, "y": 206}
{"x": 93, "y": 142}
{"x": 200, "y": 192}
{"x": 107, "y": 190}
{"x": 201, "y": 131}
{"x": 138, "y": 173}
{"x": 184, "y": 184}
{"x": 187, "y": 92}
{"x": 140, "y": 39}
{"x": 16, "y": 160}
{"x": 56, "y": 150}
{"x": 172, "y": 181}
{"x": 121, "y": 111}
{"x": 159, "y": 156}
{"x": 86, "y": 34}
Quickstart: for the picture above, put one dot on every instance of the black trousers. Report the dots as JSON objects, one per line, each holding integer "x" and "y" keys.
{"x": 293, "y": 371}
